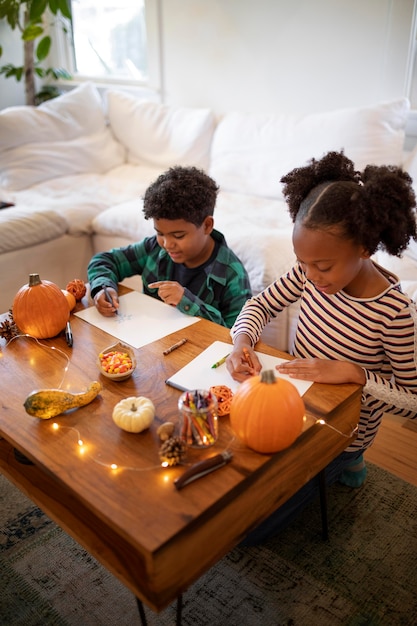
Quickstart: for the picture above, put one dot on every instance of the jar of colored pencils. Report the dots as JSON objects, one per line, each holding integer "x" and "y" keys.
{"x": 198, "y": 418}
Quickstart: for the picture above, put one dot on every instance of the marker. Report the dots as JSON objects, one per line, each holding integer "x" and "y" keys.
{"x": 201, "y": 468}
{"x": 247, "y": 357}
{"x": 175, "y": 346}
{"x": 220, "y": 362}
{"x": 109, "y": 299}
{"x": 68, "y": 335}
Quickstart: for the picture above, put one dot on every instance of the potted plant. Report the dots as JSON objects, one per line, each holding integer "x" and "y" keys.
{"x": 30, "y": 18}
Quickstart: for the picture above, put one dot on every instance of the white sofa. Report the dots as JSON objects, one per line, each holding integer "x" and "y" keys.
{"x": 76, "y": 168}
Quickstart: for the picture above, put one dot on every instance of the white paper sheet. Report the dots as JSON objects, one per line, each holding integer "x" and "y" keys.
{"x": 141, "y": 319}
{"x": 199, "y": 374}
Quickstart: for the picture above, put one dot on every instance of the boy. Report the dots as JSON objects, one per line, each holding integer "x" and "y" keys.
{"x": 187, "y": 263}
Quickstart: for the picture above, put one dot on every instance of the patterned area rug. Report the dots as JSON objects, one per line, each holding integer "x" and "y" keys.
{"x": 366, "y": 574}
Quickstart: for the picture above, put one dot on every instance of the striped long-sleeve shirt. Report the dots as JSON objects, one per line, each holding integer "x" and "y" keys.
{"x": 378, "y": 333}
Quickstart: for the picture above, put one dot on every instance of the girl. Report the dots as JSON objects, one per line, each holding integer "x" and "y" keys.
{"x": 355, "y": 324}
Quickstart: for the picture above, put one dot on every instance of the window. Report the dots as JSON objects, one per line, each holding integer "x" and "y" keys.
{"x": 109, "y": 38}
{"x": 112, "y": 41}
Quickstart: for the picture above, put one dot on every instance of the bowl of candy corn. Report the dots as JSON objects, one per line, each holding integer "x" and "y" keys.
{"x": 117, "y": 362}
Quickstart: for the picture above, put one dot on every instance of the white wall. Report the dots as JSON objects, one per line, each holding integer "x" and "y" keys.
{"x": 11, "y": 91}
{"x": 273, "y": 55}
{"x": 285, "y": 55}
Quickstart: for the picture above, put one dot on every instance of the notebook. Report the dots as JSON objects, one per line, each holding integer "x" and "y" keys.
{"x": 199, "y": 374}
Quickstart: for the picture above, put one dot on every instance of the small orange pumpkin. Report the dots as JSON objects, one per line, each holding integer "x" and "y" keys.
{"x": 266, "y": 413}
{"x": 40, "y": 309}
{"x": 70, "y": 299}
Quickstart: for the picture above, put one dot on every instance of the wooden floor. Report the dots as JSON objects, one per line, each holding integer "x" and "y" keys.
{"x": 395, "y": 448}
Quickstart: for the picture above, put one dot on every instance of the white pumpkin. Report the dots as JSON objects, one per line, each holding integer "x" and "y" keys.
{"x": 134, "y": 414}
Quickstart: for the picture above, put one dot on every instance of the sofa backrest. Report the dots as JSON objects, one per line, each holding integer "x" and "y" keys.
{"x": 64, "y": 136}
{"x": 159, "y": 135}
{"x": 250, "y": 152}
{"x": 83, "y": 132}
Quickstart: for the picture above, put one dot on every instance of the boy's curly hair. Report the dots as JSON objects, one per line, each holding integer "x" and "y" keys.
{"x": 375, "y": 208}
{"x": 181, "y": 193}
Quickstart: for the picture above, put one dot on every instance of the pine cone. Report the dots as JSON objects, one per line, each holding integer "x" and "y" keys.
{"x": 172, "y": 451}
{"x": 8, "y": 328}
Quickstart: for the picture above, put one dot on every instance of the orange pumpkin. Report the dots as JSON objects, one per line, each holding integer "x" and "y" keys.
{"x": 40, "y": 309}
{"x": 266, "y": 413}
{"x": 70, "y": 299}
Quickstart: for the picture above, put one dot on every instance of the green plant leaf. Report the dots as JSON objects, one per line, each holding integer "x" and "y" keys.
{"x": 58, "y": 72}
{"x": 65, "y": 8}
{"x": 43, "y": 48}
{"x": 37, "y": 9}
{"x": 13, "y": 11}
{"x": 10, "y": 12}
{"x": 31, "y": 32}
{"x": 53, "y": 5}
{"x": 10, "y": 70}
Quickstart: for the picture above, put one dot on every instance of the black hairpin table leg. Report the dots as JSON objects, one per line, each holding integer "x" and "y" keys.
{"x": 323, "y": 504}
{"x": 142, "y": 613}
{"x": 179, "y": 610}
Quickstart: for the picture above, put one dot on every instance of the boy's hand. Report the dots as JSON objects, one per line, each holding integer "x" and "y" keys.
{"x": 102, "y": 304}
{"x": 169, "y": 291}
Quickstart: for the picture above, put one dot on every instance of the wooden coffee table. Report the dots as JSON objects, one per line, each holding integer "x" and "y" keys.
{"x": 155, "y": 539}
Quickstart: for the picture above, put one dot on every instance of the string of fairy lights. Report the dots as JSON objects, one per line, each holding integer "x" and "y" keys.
{"x": 82, "y": 446}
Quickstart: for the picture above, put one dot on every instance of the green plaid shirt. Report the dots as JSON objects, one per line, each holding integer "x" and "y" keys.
{"x": 224, "y": 284}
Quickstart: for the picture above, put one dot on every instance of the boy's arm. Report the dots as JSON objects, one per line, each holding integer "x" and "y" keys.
{"x": 224, "y": 310}
{"x": 109, "y": 268}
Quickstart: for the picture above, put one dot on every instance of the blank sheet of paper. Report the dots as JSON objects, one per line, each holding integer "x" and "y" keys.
{"x": 140, "y": 321}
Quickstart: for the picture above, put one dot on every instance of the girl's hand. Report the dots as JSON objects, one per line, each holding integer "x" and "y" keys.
{"x": 323, "y": 371}
{"x": 105, "y": 307}
{"x": 242, "y": 362}
{"x": 169, "y": 291}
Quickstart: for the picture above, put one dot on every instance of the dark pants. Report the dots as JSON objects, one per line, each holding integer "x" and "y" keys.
{"x": 280, "y": 518}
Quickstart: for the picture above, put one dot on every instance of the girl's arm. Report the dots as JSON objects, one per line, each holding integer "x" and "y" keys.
{"x": 390, "y": 385}
{"x": 399, "y": 392}
{"x": 260, "y": 309}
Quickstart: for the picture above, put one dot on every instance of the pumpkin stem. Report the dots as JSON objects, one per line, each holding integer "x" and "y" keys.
{"x": 34, "y": 279}
{"x": 268, "y": 377}
{"x": 133, "y": 407}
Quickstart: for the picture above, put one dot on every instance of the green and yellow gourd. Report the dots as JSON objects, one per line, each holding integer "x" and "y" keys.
{"x": 47, "y": 403}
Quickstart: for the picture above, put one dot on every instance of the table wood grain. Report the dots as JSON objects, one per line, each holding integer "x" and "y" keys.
{"x": 155, "y": 539}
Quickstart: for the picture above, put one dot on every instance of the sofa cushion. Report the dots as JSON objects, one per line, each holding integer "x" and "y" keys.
{"x": 160, "y": 135}
{"x": 23, "y": 227}
{"x": 251, "y": 152}
{"x": 63, "y": 136}
{"x": 79, "y": 198}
